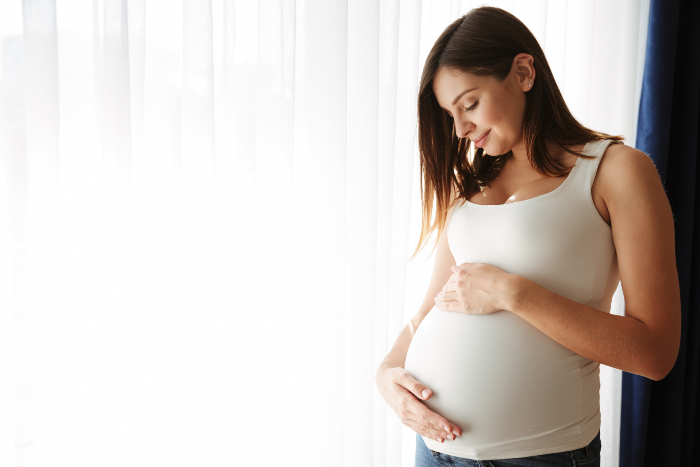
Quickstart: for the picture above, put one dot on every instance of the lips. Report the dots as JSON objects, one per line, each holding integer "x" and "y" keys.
{"x": 480, "y": 140}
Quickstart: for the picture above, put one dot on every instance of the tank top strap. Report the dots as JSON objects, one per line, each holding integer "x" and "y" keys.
{"x": 585, "y": 170}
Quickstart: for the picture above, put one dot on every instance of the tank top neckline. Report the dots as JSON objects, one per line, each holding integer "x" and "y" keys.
{"x": 571, "y": 172}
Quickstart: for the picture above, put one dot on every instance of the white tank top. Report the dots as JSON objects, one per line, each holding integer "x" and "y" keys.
{"x": 514, "y": 391}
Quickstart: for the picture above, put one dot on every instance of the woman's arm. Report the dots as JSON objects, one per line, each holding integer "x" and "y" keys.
{"x": 401, "y": 391}
{"x": 441, "y": 272}
{"x": 646, "y": 340}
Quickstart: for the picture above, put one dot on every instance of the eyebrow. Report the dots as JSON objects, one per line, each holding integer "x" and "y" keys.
{"x": 461, "y": 94}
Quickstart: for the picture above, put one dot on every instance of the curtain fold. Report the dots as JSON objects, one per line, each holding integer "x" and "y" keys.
{"x": 661, "y": 419}
{"x": 206, "y": 211}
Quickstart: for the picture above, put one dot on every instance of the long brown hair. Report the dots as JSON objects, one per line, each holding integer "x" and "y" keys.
{"x": 484, "y": 42}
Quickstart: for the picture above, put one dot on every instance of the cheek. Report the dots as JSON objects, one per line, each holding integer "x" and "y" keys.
{"x": 499, "y": 117}
{"x": 507, "y": 115}
{"x": 500, "y": 111}
{"x": 492, "y": 113}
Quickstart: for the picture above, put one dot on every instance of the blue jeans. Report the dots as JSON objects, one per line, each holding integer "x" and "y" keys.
{"x": 587, "y": 455}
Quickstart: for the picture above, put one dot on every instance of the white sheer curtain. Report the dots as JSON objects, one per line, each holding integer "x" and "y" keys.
{"x": 206, "y": 210}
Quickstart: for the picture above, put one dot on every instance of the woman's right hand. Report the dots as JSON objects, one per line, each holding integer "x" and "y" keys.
{"x": 404, "y": 393}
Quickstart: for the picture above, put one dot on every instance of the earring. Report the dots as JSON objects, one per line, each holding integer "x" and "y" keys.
{"x": 530, "y": 83}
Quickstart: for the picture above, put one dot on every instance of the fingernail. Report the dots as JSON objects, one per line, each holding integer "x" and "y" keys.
{"x": 425, "y": 393}
{"x": 455, "y": 432}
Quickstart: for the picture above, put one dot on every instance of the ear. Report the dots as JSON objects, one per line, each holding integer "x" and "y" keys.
{"x": 523, "y": 67}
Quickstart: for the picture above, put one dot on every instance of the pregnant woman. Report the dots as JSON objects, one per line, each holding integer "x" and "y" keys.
{"x": 538, "y": 219}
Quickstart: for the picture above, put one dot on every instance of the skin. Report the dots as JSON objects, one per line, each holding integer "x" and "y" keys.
{"x": 628, "y": 195}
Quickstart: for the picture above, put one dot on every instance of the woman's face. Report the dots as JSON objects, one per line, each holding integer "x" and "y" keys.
{"x": 489, "y": 107}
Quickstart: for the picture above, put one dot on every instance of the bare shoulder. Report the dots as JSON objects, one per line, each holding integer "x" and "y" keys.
{"x": 626, "y": 174}
{"x": 623, "y": 171}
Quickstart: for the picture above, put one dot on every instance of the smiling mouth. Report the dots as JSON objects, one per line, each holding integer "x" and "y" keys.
{"x": 481, "y": 138}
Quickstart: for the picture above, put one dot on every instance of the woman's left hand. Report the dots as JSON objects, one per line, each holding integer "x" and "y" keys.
{"x": 476, "y": 289}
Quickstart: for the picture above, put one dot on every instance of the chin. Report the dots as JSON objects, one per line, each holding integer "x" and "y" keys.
{"x": 488, "y": 151}
{"x": 495, "y": 152}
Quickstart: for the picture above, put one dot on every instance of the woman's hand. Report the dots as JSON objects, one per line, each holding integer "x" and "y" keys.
{"x": 477, "y": 289}
{"x": 403, "y": 393}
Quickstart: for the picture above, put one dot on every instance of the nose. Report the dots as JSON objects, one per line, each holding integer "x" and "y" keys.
{"x": 462, "y": 128}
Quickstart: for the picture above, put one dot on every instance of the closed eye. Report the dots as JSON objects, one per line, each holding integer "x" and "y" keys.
{"x": 473, "y": 106}
{"x": 466, "y": 109}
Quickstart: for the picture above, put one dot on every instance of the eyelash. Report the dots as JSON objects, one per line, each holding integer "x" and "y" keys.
{"x": 472, "y": 107}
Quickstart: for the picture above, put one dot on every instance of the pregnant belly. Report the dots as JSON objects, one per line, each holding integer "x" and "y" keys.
{"x": 504, "y": 382}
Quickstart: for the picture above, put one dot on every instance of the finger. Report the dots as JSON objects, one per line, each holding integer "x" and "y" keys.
{"x": 415, "y": 387}
{"x": 428, "y": 431}
{"x": 415, "y": 408}
{"x": 450, "y": 305}
{"x": 412, "y": 387}
{"x": 439, "y": 436}
{"x": 425, "y": 421}
{"x": 449, "y": 285}
{"x": 422, "y": 415}
{"x": 447, "y": 296}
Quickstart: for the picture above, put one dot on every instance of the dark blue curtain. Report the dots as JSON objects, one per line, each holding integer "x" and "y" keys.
{"x": 660, "y": 423}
